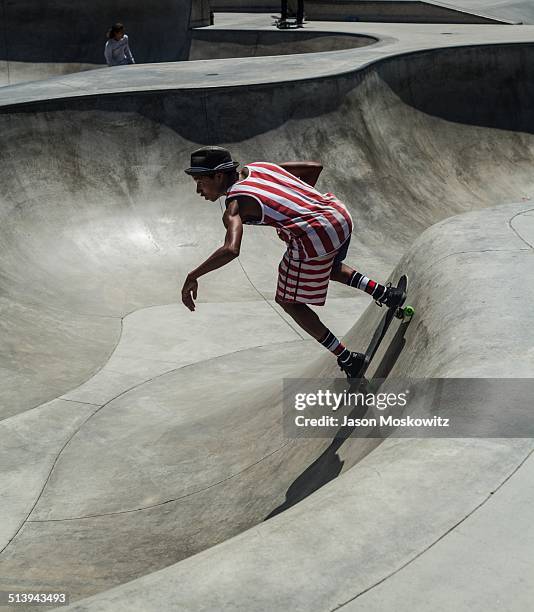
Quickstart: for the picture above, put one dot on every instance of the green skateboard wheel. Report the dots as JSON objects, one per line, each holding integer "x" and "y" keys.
{"x": 409, "y": 311}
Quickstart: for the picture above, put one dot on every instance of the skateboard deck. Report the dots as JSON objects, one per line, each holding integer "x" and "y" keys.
{"x": 400, "y": 312}
{"x": 284, "y": 25}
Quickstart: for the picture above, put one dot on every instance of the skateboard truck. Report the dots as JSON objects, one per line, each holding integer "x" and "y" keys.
{"x": 405, "y": 312}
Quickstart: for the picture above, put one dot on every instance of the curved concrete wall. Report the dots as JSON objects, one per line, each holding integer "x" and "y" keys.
{"x": 97, "y": 223}
{"x": 217, "y": 44}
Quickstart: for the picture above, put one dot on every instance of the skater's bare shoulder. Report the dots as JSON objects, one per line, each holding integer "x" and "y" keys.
{"x": 248, "y": 208}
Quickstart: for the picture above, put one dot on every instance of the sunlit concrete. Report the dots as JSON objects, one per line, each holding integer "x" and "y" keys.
{"x": 160, "y": 435}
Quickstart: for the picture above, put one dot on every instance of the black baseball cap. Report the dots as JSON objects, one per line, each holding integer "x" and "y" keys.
{"x": 211, "y": 159}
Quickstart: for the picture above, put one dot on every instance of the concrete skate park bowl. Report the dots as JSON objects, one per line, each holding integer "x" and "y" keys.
{"x": 143, "y": 443}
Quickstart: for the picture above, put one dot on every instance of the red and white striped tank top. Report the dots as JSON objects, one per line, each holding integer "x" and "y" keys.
{"x": 312, "y": 224}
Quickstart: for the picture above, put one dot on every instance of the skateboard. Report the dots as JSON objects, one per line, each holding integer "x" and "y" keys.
{"x": 401, "y": 312}
{"x": 286, "y": 24}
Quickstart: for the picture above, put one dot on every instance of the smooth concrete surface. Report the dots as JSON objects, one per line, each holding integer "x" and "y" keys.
{"x": 12, "y": 72}
{"x": 175, "y": 444}
{"x": 376, "y": 530}
{"x": 28, "y": 458}
{"x": 521, "y": 11}
{"x": 451, "y": 572}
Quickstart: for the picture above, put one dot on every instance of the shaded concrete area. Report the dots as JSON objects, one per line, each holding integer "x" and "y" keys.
{"x": 44, "y": 39}
{"x": 50, "y": 49}
{"x": 402, "y": 11}
{"x": 170, "y": 439}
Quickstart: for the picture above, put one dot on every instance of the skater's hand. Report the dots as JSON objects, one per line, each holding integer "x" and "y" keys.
{"x": 189, "y": 293}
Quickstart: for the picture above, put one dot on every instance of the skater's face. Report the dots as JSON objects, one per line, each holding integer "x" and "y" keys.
{"x": 210, "y": 187}
{"x": 118, "y": 35}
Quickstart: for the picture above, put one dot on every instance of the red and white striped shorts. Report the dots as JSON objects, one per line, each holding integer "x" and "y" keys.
{"x": 304, "y": 281}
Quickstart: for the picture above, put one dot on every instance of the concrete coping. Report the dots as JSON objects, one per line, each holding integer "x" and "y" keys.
{"x": 393, "y": 40}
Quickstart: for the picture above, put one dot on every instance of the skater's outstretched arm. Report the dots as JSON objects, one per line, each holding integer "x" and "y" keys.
{"x": 223, "y": 255}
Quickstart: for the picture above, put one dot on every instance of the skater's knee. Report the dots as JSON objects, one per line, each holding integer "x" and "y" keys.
{"x": 288, "y": 306}
{"x": 335, "y": 272}
{"x": 292, "y": 308}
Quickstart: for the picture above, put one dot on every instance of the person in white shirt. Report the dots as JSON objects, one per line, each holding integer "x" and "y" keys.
{"x": 117, "y": 51}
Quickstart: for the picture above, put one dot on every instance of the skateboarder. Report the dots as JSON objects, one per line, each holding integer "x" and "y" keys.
{"x": 299, "y": 17}
{"x": 316, "y": 228}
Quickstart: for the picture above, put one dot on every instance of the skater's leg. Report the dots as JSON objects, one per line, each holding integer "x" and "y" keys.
{"x": 388, "y": 296}
{"x": 306, "y": 282}
{"x": 300, "y": 12}
{"x": 341, "y": 274}
{"x": 350, "y": 362}
{"x": 348, "y": 276}
{"x": 283, "y": 11}
{"x": 301, "y": 283}
{"x": 306, "y": 318}
{"x": 310, "y": 322}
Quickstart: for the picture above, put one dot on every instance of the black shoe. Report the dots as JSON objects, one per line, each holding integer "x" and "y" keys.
{"x": 355, "y": 365}
{"x": 392, "y": 297}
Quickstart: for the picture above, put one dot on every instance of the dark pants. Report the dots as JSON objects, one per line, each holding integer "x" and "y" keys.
{"x": 300, "y": 10}
{"x": 341, "y": 254}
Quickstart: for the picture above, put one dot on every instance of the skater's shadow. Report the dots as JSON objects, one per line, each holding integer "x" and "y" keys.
{"x": 328, "y": 465}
